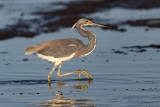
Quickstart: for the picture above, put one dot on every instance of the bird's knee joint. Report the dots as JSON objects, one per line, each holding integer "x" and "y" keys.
{"x": 59, "y": 75}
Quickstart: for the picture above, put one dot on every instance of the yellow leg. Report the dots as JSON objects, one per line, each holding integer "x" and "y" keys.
{"x": 73, "y": 72}
{"x": 50, "y": 74}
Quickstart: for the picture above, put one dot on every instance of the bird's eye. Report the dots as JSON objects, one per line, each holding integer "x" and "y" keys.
{"x": 87, "y": 21}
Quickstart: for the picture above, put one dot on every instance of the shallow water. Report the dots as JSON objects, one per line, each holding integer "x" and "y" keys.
{"x": 118, "y": 80}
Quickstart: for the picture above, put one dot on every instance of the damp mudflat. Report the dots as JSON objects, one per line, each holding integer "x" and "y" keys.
{"x": 125, "y": 64}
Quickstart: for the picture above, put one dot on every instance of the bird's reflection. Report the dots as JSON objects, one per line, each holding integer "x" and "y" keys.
{"x": 60, "y": 101}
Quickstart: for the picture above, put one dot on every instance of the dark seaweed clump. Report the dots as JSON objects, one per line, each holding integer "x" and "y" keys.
{"x": 137, "y": 49}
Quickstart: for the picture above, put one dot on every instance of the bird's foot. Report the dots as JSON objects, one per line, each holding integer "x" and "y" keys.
{"x": 85, "y": 73}
{"x": 49, "y": 78}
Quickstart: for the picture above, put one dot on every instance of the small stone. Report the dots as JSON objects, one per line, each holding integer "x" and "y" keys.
{"x": 25, "y": 59}
{"x": 7, "y": 64}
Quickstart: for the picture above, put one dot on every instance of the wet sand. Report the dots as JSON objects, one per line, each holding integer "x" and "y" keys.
{"x": 125, "y": 64}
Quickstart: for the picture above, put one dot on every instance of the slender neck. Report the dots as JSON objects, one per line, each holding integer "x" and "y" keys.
{"x": 88, "y": 34}
{"x": 85, "y": 33}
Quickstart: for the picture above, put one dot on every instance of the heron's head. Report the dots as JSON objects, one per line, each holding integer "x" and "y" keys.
{"x": 86, "y": 22}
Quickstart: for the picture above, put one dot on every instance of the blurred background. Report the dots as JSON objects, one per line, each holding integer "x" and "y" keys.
{"x": 29, "y": 18}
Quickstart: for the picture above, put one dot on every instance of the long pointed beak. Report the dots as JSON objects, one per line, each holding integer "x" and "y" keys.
{"x": 96, "y": 24}
{"x": 91, "y": 24}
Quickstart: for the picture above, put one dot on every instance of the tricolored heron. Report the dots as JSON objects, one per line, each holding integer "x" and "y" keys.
{"x": 61, "y": 50}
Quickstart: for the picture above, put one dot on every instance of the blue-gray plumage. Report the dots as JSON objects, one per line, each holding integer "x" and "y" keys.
{"x": 65, "y": 49}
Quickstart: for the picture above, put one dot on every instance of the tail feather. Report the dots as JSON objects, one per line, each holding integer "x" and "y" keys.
{"x": 30, "y": 50}
{"x": 35, "y": 48}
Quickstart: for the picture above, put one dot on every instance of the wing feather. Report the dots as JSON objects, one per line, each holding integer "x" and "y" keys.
{"x": 57, "y": 48}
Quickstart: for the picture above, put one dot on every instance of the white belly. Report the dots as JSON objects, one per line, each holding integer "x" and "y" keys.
{"x": 56, "y": 60}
